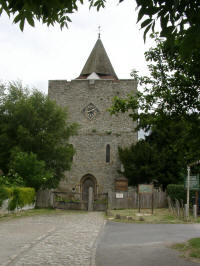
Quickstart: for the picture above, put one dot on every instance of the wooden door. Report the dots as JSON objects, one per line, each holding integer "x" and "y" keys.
{"x": 88, "y": 182}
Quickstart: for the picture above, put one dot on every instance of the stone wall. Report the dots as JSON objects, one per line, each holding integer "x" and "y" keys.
{"x": 4, "y": 207}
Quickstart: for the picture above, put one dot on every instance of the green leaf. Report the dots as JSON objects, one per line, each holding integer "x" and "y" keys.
{"x": 140, "y": 14}
{"x": 146, "y": 22}
{"x": 21, "y": 25}
{"x": 17, "y": 18}
{"x": 145, "y": 32}
{"x": 30, "y": 19}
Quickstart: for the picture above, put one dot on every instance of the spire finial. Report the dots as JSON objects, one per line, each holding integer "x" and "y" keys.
{"x": 99, "y": 29}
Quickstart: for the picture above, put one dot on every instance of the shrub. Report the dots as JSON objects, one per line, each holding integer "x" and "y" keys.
{"x": 178, "y": 192}
{"x": 18, "y": 196}
{"x": 12, "y": 179}
{"x": 32, "y": 170}
{"x": 5, "y": 193}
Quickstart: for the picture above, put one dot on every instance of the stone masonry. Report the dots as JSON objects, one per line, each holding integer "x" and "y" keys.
{"x": 57, "y": 238}
{"x": 88, "y": 100}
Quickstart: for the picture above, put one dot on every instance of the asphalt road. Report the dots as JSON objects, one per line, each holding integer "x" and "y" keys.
{"x": 122, "y": 244}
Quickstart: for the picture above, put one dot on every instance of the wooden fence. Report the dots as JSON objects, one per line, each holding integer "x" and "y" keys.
{"x": 130, "y": 200}
{"x": 176, "y": 207}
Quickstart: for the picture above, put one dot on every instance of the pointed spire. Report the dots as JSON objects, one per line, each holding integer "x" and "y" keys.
{"x": 98, "y": 62}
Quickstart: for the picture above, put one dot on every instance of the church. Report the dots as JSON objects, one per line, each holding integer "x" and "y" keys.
{"x": 96, "y": 162}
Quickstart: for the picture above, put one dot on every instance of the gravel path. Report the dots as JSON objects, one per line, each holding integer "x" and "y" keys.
{"x": 64, "y": 239}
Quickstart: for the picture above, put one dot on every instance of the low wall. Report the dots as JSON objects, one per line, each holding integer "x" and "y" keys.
{"x": 79, "y": 206}
{"x": 70, "y": 205}
{"x": 4, "y": 207}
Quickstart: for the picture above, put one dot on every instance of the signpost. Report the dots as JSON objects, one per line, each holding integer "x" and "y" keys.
{"x": 192, "y": 183}
{"x": 145, "y": 189}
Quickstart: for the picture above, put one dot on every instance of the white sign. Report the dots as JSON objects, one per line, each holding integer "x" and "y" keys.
{"x": 119, "y": 195}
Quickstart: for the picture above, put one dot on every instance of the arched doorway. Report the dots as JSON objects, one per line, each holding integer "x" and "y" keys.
{"x": 86, "y": 182}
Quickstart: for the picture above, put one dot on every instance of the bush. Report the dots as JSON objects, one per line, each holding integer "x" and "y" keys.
{"x": 32, "y": 170}
{"x": 5, "y": 193}
{"x": 18, "y": 196}
{"x": 12, "y": 179}
{"x": 178, "y": 192}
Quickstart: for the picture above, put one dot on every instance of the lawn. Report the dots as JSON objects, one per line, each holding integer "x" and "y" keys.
{"x": 145, "y": 216}
{"x": 189, "y": 249}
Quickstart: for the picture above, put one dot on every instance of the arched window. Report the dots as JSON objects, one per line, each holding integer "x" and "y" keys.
{"x": 107, "y": 153}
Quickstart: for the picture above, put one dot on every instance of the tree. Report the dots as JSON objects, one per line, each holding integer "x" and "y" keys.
{"x": 33, "y": 124}
{"x": 175, "y": 17}
{"x": 31, "y": 170}
{"x": 49, "y": 12}
{"x": 162, "y": 156}
{"x": 139, "y": 162}
{"x": 168, "y": 109}
{"x": 182, "y": 17}
{"x": 172, "y": 88}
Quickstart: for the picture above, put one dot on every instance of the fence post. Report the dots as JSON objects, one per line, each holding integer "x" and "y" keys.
{"x": 186, "y": 211}
{"x": 177, "y": 208}
{"x": 110, "y": 199}
{"x": 195, "y": 211}
{"x": 170, "y": 204}
{"x": 51, "y": 200}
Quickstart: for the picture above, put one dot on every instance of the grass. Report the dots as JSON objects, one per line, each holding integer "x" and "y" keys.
{"x": 33, "y": 212}
{"x": 189, "y": 249}
{"x": 145, "y": 216}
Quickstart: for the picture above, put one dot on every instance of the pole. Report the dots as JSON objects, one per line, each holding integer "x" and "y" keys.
{"x": 188, "y": 190}
{"x": 197, "y": 200}
{"x": 139, "y": 202}
{"x": 152, "y": 203}
{"x": 196, "y": 197}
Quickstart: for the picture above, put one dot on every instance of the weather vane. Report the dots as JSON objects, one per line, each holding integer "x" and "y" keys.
{"x": 99, "y": 30}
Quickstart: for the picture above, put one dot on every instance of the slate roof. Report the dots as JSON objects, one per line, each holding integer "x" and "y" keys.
{"x": 98, "y": 62}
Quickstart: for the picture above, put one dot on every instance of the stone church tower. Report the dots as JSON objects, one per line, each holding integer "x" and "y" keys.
{"x": 96, "y": 162}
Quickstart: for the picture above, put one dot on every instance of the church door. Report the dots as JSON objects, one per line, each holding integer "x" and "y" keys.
{"x": 87, "y": 182}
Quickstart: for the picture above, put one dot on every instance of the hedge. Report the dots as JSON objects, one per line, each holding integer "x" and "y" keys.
{"x": 178, "y": 192}
{"x": 5, "y": 193}
{"x": 18, "y": 196}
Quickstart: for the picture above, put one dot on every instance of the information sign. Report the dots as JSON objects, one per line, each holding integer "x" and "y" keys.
{"x": 145, "y": 189}
{"x": 194, "y": 182}
{"x": 119, "y": 195}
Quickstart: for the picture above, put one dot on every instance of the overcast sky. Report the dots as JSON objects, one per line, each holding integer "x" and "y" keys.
{"x": 40, "y": 54}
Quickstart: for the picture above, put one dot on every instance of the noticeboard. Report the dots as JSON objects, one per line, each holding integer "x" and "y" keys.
{"x": 145, "y": 189}
{"x": 194, "y": 182}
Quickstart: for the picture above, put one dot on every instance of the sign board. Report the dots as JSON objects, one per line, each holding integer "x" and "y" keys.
{"x": 145, "y": 189}
{"x": 194, "y": 182}
{"x": 119, "y": 195}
